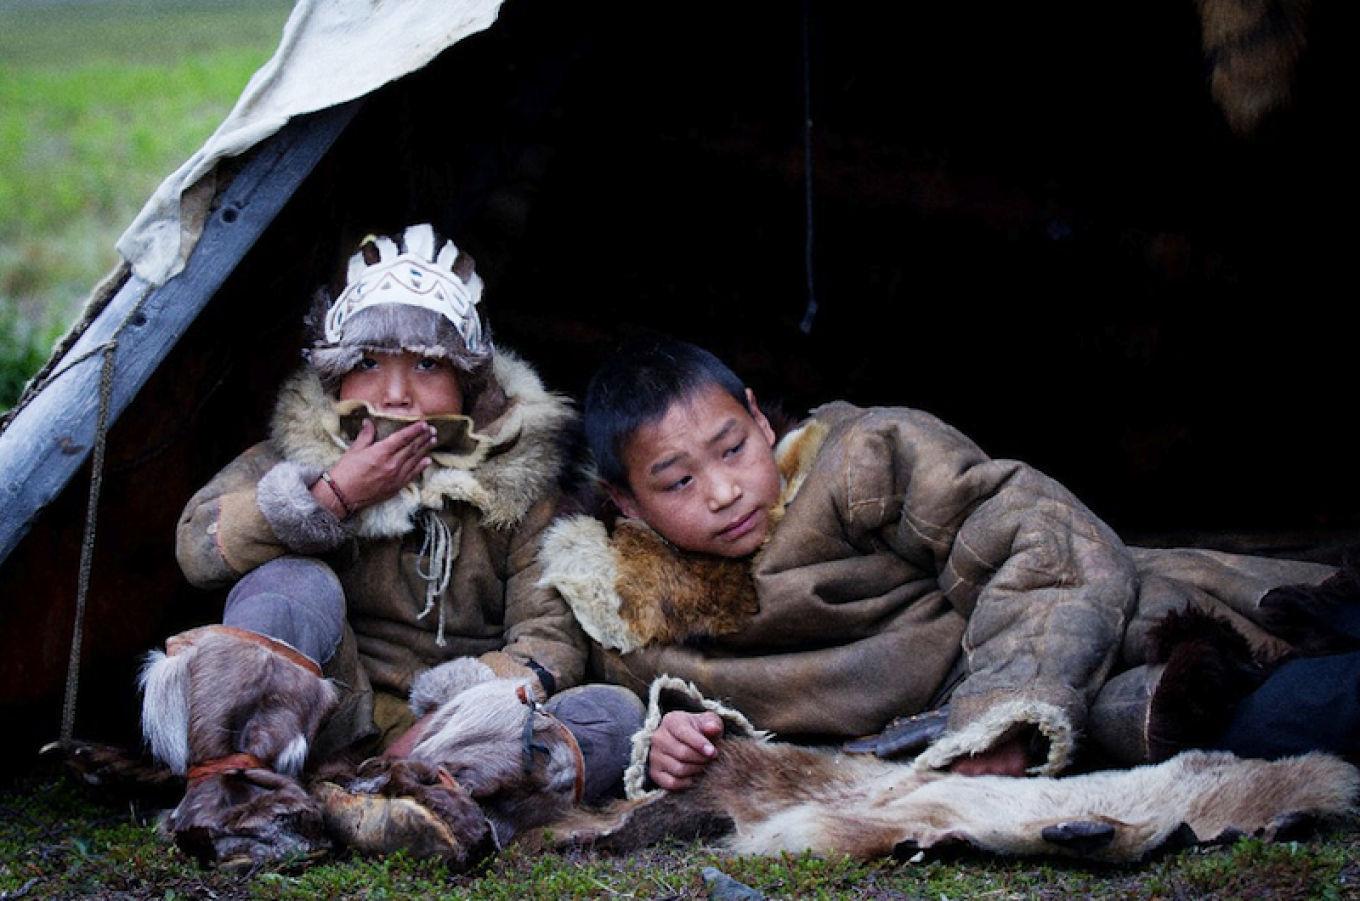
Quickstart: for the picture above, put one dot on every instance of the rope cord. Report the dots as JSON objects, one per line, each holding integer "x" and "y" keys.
{"x": 439, "y": 548}
{"x": 108, "y": 348}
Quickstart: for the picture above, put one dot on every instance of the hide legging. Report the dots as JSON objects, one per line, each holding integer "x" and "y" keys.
{"x": 299, "y": 601}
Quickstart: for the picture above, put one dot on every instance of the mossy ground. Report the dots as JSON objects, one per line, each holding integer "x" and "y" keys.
{"x": 57, "y": 843}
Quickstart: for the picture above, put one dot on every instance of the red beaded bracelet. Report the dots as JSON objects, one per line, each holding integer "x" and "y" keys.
{"x": 335, "y": 489}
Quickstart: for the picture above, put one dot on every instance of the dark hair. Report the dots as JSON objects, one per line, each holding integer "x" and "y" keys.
{"x": 637, "y": 385}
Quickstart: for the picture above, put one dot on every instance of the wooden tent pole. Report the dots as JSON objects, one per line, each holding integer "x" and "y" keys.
{"x": 50, "y": 437}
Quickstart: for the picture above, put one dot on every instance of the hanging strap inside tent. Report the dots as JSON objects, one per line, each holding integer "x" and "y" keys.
{"x": 108, "y": 349}
{"x": 810, "y": 312}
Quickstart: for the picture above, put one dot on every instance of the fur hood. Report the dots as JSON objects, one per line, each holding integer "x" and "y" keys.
{"x": 516, "y": 458}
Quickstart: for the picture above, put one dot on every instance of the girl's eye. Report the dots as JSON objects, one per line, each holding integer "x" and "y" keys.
{"x": 367, "y": 363}
{"x": 427, "y": 363}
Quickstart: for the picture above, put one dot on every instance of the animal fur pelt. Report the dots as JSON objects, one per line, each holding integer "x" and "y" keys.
{"x": 770, "y": 797}
{"x": 1253, "y": 49}
{"x": 1318, "y": 619}
{"x": 489, "y": 744}
{"x": 235, "y": 714}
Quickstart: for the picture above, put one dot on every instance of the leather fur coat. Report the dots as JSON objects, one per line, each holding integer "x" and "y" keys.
{"x": 490, "y": 500}
{"x": 906, "y": 569}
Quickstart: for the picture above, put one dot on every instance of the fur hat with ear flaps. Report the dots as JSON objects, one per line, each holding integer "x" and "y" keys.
{"x": 412, "y": 292}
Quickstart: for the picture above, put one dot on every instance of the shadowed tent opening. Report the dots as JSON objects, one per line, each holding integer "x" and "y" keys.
{"x": 1037, "y": 224}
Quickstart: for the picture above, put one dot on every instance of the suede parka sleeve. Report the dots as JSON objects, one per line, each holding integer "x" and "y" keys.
{"x": 539, "y": 626}
{"x": 1047, "y": 588}
{"x": 256, "y": 509}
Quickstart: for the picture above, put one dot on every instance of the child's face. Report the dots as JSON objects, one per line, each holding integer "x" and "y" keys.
{"x": 404, "y": 384}
{"x": 704, "y": 476}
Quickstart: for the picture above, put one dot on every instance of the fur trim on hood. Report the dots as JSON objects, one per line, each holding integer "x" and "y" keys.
{"x": 519, "y": 456}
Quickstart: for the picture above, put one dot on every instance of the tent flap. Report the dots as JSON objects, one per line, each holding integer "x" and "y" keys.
{"x": 331, "y": 52}
{"x": 55, "y": 431}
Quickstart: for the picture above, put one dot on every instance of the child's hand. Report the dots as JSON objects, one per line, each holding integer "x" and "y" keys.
{"x": 681, "y": 747}
{"x": 1009, "y": 758}
{"x": 372, "y": 471}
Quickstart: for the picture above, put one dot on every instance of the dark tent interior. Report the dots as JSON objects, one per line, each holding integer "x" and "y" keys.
{"x": 1031, "y": 220}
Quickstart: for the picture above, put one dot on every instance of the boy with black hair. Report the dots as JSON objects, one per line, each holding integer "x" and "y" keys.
{"x": 874, "y": 573}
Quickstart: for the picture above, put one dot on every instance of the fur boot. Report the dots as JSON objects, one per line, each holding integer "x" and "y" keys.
{"x": 234, "y": 713}
{"x": 769, "y": 798}
{"x": 488, "y": 763}
{"x": 1254, "y": 50}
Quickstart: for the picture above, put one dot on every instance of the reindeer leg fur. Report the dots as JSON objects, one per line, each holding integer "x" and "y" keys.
{"x": 235, "y": 713}
{"x": 491, "y": 749}
{"x": 241, "y": 818}
{"x": 164, "y": 682}
{"x": 521, "y": 778}
{"x": 782, "y": 798}
{"x": 394, "y": 805}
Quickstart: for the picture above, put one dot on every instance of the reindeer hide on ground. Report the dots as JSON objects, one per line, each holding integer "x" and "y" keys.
{"x": 768, "y": 797}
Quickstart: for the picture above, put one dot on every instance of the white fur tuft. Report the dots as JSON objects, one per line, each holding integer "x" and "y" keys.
{"x": 579, "y": 562}
{"x": 293, "y": 758}
{"x": 164, "y": 682}
{"x": 439, "y": 684}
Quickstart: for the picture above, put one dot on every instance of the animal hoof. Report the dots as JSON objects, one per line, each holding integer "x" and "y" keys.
{"x": 1079, "y": 836}
{"x": 247, "y": 818}
{"x": 375, "y": 824}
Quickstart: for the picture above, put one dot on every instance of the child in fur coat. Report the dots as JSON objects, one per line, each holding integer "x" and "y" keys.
{"x": 874, "y": 573}
{"x": 387, "y": 528}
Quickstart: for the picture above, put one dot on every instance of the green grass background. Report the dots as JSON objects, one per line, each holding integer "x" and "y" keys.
{"x": 100, "y": 100}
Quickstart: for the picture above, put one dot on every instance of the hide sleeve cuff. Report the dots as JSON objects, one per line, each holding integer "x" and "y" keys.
{"x": 508, "y": 667}
{"x": 1049, "y": 723}
{"x": 667, "y": 694}
{"x": 285, "y": 499}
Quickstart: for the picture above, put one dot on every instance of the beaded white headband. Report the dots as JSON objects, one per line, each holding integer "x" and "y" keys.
{"x": 418, "y": 277}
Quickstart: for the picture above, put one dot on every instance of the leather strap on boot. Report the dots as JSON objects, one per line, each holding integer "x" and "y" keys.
{"x": 536, "y": 709}
{"x": 176, "y": 644}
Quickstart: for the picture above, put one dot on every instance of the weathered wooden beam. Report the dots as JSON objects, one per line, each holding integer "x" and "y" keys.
{"x": 49, "y": 439}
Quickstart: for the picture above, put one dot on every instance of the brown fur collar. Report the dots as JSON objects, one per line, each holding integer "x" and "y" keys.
{"x": 630, "y": 587}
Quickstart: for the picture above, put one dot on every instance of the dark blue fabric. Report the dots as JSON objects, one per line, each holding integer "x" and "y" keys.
{"x": 602, "y": 718}
{"x": 1310, "y": 704}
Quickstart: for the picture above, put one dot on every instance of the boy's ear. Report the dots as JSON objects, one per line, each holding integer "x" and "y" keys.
{"x": 623, "y": 499}
{"x": 761, "y": 422}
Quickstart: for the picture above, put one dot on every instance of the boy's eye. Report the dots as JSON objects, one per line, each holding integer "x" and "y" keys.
{"x": 735, "y": 449}
{"x": 678, "y": 484}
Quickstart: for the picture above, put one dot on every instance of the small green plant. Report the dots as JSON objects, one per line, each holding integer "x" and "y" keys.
{"x": 23, "y": 350}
